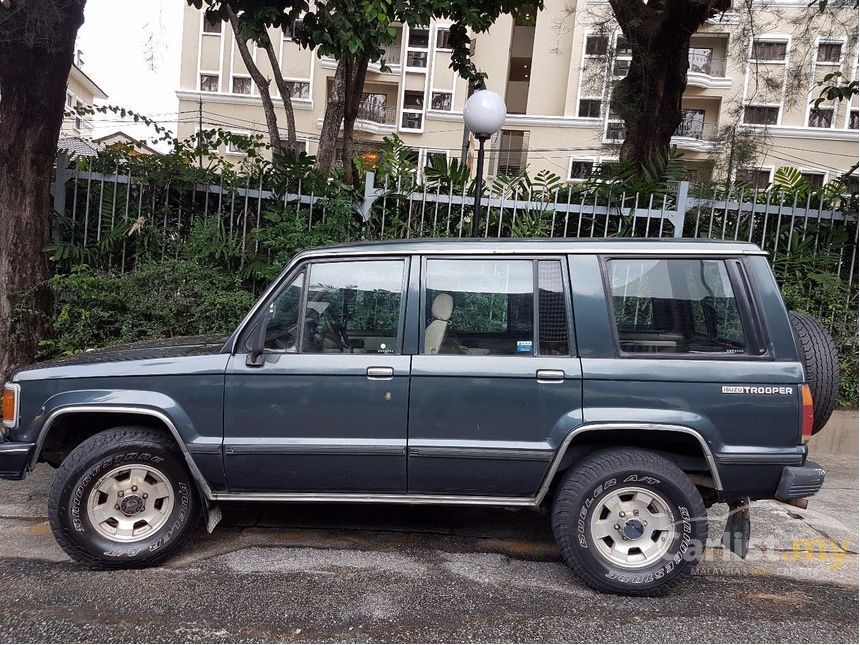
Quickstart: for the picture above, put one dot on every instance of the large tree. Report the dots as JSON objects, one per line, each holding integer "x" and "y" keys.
{"x": 648, "y": 99}
{"x": 37, "y": 44}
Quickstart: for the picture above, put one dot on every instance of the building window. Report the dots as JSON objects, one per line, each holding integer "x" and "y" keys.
{"x": 241, "y": 85}
{"x": 815, "y": 179}
{"x": 234, "y": 148}
{"x": 209, "y": 82}
{"x": 290, "y": 30}
{"x": 596, "y": 45}
{"x": 442, "y": 36}
{"x": 589, "y": 108}
{"x": 754, "y": 177}
{"x": 416, "y": 59}
{"x": 211, "y": 26}
{"x": 769, "y": 50}
{"x": 411, "y": 121}
{"x": 79, "y": 119}
{"x": 419, "y": 38}
{"x": 413, "y": 100}
{"x": 761, "y": 114}
{"x": 299, "y": 89}
{"x": 441, "y": 101}
{"x": 435, "y": 157}
{"x": 620, "y": 67}
{"x": 615, "y": 131}
{"x": 821, "y": 118}
{"x": 513, "y": 152}
{"x": 854, "y": 120}
{"x": 580, "y": 169}
{"x": 622, "y": 47}
{"x": 829, "y": 53}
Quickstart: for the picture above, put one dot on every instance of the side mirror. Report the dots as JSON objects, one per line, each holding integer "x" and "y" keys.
{"x": 258, "y": 340}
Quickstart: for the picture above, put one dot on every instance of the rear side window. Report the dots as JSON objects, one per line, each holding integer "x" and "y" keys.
{"x": 675, "y": 306}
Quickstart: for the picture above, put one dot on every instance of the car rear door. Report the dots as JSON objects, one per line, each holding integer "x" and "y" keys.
{"x": 495, "y": 384}
{"x": 327, "y": 409}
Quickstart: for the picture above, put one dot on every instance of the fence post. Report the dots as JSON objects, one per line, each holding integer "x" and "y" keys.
{"x": 371, "y": 194}
{"x": 679, "y": 215}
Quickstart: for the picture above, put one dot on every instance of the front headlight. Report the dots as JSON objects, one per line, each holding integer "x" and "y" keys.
{"x": 11, "y": 404}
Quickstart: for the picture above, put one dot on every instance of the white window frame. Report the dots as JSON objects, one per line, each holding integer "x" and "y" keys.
{"x": 589, "y": 98}
{"x": 583, "y": 159}
{"x": 770, "y": 38}
{"x": 234, "y": 77}
{"x": 769, "y": 169}
{"x": 229, "y": 147}
{"x": 200, "y": 76}
{"x": 830, "y": 41}
{"x": 449, "y": 93}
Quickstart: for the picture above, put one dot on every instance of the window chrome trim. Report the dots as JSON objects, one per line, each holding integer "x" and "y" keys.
{"x": 556, "y": 248}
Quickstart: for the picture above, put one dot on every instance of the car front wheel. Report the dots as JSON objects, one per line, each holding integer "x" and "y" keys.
{"x": 123, "y": 498}
{"x": 629, "y": 521}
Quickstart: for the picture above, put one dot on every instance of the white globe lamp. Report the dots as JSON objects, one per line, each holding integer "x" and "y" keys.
{"x": 484, "y": 115}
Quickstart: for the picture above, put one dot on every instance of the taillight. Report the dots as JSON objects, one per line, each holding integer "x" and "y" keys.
{"x": 10, "y": 404}
{"x": 806, "y": 412}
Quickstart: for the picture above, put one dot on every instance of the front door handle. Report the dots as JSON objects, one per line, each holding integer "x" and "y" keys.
{"x": 550, "y": 376}
{"x": 380, "y": 372}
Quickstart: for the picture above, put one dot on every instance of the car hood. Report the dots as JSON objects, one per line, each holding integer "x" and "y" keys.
{"x": 145, "y": 350}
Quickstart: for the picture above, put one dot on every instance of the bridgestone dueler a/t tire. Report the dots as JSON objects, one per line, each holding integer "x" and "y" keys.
{"x": 579, "y": 495}
{"x": 821, "y": 363}
{"x": 79, "y": 474}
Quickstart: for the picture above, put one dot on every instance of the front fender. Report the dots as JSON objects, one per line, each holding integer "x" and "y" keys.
{"x": 137, "y": 402}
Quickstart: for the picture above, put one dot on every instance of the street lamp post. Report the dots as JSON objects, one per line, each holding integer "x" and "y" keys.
{"x": 484, "y": 114}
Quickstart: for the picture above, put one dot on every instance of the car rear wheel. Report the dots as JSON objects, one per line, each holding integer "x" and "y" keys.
{"x": 123, "y": 498}
{"x": 629, "y": 521}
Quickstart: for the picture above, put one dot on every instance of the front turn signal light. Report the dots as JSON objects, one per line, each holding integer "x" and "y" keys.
{"x": 806, "y": 412}
{"x": 11, "y": 402}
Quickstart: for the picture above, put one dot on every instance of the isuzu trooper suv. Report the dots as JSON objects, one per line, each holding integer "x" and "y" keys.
{"x": 625, "y": 386}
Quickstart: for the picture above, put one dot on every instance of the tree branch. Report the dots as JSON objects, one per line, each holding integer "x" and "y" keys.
{"x": 284, "y": 90}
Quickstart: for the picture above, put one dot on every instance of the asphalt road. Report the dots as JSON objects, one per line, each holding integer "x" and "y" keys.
{"x": 383, "y": 573}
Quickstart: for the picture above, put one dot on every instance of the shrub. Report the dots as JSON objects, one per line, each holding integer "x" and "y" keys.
{"x": 159, "y": 300}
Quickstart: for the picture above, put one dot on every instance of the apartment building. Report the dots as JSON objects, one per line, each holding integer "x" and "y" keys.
{"x": 81, "y": 91}
{"x": 750, "y": 82}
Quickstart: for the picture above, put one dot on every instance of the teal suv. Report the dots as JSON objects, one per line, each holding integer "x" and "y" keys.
{"x": 622, "y": 386}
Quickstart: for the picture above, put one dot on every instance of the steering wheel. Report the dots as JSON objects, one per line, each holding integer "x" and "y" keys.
{"x": 337, "y": 333}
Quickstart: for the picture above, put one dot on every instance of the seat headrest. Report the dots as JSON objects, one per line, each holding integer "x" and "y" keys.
{"x": 443, "y": 306}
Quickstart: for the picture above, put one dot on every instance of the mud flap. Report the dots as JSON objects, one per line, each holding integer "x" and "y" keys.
{"x": 736, "y": 535}
{"x": 212, "y": 515}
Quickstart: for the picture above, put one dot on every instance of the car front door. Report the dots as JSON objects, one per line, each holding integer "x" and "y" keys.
{"x": 326, "y": 411}
{"x": 496, "y": 384}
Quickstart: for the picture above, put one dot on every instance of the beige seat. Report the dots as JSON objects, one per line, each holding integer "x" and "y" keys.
{"x": 442, "y": 308}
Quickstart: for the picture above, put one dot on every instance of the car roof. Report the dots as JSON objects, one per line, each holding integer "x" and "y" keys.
{"x": 506, "y": 246}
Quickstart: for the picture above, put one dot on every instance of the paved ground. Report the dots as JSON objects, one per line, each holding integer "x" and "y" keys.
{"x": 359, "y": 573}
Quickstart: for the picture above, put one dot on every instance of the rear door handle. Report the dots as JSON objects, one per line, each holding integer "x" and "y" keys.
{"x": 550, "y": 376}
{"x": 380, "y": 372}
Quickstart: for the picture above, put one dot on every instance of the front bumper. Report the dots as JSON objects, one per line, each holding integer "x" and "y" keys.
{"x": 800, "y": 481}
{"x": 14, "y": 459}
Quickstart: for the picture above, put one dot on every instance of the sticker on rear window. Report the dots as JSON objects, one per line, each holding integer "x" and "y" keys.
{"x": 524, "y": 346}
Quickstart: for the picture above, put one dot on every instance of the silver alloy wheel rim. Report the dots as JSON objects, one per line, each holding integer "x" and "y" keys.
{"x": 130, "y": 503}
{"x": 632, "y": 527}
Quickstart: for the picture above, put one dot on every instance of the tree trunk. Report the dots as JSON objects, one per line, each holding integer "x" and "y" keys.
{"x": 259, "y": 80}
{"x": 35, "y": 57}
{"x": 351, "y": 105}
{"x": 286, "y": 96}
{"x": 648, "y": 99}
{"x": 333, "y": 116}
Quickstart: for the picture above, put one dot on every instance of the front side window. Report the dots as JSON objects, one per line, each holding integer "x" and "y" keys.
{"x": 676, "y": 306}
{"x": 353, "y": 307}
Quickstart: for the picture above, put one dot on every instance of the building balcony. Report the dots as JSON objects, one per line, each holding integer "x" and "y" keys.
{"x": 706, "y": 70}
{"x": 696, "y": 135}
